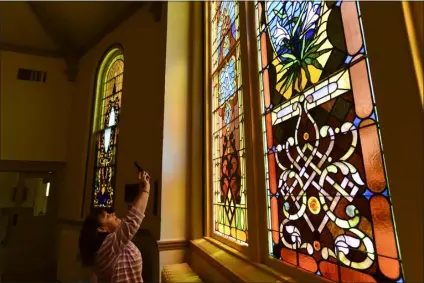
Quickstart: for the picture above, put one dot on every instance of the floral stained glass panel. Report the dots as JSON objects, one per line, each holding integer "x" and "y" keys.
{"x": 229, "y": 186}
{"x": 329, "y": 205}
{"x": 107, "y": 134}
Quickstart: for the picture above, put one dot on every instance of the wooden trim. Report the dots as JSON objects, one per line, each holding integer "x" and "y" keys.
{"x": 172, "y": 245}
{"x": 195, "y": 123}
{"x": 412, "y": 31}
{"x": 31, "y": 166}
{"x": 401, "y": 140}
{"x": 1, "y": 92}
{"x": 202, "y": 250}
{"x": 208, "y": 184}
{"x": 10, "y": 47}
{"x": 250, "y": 142}
{"x": 255, "y": 102}
{"x": 230, "y": 243}
{"x": 233, "y": 264}
{"x": 204, "y": 89}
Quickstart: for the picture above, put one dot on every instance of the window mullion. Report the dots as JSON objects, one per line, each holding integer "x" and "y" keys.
{"x": 254, "y": 162}
{"x": 258, "y": 213}
{"x": 208, "y": 124}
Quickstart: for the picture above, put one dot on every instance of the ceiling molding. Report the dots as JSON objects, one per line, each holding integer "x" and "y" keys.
{"x": 5, "y": 46}
{"x": 132, "y": 9}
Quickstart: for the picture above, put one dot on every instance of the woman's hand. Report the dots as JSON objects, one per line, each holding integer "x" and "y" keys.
{"x": 143, "y": 193}
{"x": 144, "y": 180}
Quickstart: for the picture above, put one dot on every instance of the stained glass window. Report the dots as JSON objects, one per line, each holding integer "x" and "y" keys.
{"x": 229, "y": 186}
{"x": 329, "y": 205}
{"x": 109, "y": 95}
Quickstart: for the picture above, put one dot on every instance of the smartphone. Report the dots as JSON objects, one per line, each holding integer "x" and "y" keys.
{"x": 138, "y": 167}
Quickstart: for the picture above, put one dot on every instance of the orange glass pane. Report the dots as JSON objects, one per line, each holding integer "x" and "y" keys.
{"x": 383, "y": 227}
{"x": 352, "y": 27}
{"x": 361, "y": 89}
{"x": 308, "y": 263}
{"x": 389, "y": 267}
{"x": 353, "y": 276}
{"x": 373, "y": 164}
{"x": 329, "y": 270}
{"x": 289, "y": 256}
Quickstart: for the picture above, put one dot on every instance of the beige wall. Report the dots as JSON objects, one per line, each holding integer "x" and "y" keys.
{"x": 181, "y": 202}
{"x": 34, "y": 116}
{"x": 140, "y": 128}
{"x": 175, "y": 142}
{"x": 141, "y": 121}
{"x": 21, "y": 26}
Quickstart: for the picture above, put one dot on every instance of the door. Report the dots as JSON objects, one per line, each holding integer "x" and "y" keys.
{"x": 28, "y": 247}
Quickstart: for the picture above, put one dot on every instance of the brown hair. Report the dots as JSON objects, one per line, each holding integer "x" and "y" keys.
{"x": 90, "y": 238}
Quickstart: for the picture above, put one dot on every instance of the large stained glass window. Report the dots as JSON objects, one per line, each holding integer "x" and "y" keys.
{"x": 108, "y": 105}
{"x": 229, "y": 186}
{"x": 329, "y": 204}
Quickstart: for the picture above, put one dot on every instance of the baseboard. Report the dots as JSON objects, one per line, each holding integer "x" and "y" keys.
{"x": 172, "y": 245}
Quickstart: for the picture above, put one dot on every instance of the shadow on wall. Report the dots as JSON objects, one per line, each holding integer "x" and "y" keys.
{"x": 148, "y": 247}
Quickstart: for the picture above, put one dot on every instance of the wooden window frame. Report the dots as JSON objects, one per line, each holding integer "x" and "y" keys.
{"x": 257, "y": 250}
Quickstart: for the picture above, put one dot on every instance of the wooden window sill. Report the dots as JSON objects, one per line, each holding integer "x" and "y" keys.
{"x": 234, "y": 265}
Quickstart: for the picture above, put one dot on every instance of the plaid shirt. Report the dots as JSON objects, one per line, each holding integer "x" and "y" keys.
{"x": 118, "y": 259}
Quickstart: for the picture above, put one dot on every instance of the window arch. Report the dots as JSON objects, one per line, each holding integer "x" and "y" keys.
{"x": 106, "y": 126}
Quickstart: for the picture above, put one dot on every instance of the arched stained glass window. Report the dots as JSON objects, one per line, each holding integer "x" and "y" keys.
{"x": 106, "y": 121}
{"x": 229, "y": 186}
{"x": 328, "y": 196}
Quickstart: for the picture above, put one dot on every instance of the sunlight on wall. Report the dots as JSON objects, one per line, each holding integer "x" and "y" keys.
{"x": 175, "y": 148}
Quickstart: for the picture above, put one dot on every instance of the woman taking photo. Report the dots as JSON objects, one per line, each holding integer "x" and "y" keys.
{"x": 105, "y": 241}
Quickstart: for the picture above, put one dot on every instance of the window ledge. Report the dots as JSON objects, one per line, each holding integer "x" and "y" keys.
{"x": 234, "y": 265}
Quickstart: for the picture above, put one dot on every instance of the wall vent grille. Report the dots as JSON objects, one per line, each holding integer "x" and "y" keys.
{"x": 31, "y": 75}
